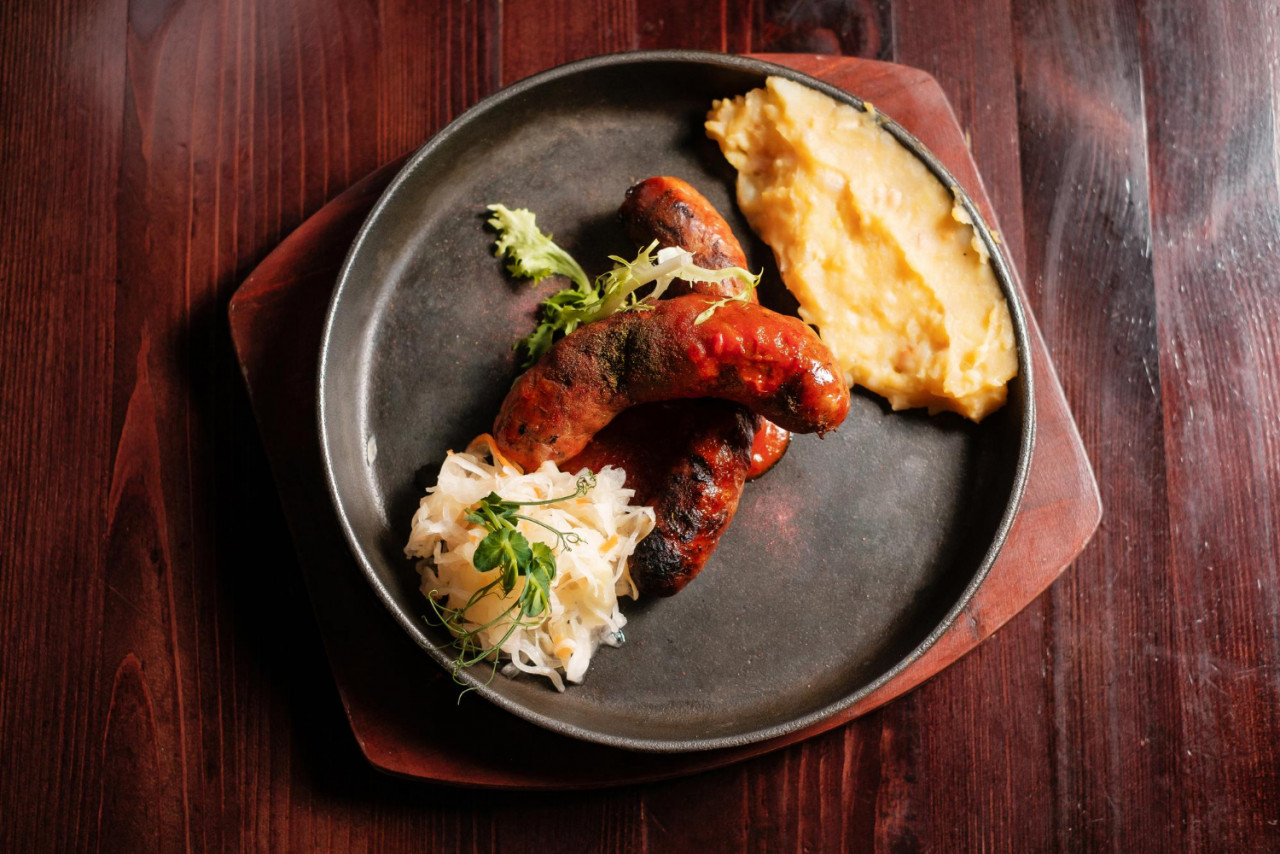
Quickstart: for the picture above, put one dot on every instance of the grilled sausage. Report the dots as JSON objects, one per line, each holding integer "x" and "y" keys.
{"x": 772, "y": 364}
{"x": 673, "y": 213}
{"x": 686, "y": 459}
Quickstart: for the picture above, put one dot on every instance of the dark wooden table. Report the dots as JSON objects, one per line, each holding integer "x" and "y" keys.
{"x": 162, "y": 684}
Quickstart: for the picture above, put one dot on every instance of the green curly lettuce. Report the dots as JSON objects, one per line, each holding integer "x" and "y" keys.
{"x": 530, "y": 253}
{"x": 533, "y": 255}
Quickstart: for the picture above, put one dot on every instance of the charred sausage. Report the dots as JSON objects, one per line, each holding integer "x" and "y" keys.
{"x": 686, "y": 459}
{"x": 773, "y": 364}
{"x": 673, "y": 213}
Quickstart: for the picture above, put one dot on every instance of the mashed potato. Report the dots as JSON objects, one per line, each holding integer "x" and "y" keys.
{"x": 880, "y": 256}
{"x": 590, "y": 576}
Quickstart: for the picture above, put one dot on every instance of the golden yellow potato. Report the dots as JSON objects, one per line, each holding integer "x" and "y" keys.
{"x": 881, "y": 257}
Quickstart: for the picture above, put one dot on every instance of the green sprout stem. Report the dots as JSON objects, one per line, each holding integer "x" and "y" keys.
{"x": 505, "y": 550}
{"x": 563, "y": 538}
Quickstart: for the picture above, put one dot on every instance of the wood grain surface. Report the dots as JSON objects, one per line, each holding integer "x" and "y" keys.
{"x": 162, "y": 683}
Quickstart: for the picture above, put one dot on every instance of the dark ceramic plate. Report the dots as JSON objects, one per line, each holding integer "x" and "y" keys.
{"x": 843, "y": 564}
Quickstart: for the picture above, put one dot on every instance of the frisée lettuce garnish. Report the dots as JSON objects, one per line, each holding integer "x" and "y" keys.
{"x": 532, "y": 254}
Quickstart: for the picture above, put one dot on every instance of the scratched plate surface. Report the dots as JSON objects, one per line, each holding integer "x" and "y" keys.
{"x": 842, "y": 563}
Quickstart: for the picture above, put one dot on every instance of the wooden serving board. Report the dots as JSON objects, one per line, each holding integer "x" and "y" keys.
{"x": 402, "y": 707}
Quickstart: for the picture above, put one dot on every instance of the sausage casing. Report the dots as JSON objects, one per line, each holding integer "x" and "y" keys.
{"x": 773, "y": 364}
{"x": 673, "y": 213}
{"x": 687, "y": 459}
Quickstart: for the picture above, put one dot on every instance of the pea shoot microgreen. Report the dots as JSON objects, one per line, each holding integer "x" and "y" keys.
{"x": 509, "y": 552}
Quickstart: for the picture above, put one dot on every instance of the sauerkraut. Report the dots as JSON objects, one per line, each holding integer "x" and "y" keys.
{"x": 590, "y": 576}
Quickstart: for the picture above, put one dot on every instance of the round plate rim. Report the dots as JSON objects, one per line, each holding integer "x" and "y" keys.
{"x": 1004, "y": 277}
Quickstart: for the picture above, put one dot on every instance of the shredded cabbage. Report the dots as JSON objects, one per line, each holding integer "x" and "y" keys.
{"x": 583, "y": 607}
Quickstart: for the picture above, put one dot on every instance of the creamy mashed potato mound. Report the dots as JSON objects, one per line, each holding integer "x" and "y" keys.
{"x": 880, "y": 255}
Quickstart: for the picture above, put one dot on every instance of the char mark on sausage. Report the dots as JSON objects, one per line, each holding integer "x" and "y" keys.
{"x": 773, "y": 364}
{"x": 673, "y": 213}
{"x": 686, "y": 459}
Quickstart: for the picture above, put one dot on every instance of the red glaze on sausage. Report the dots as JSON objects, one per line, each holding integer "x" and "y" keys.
{"x": 687, "y": 459}
{"x": 673, "y": 213}
{"x": 773, "y": 364}
{"x": 767, "y": 447}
